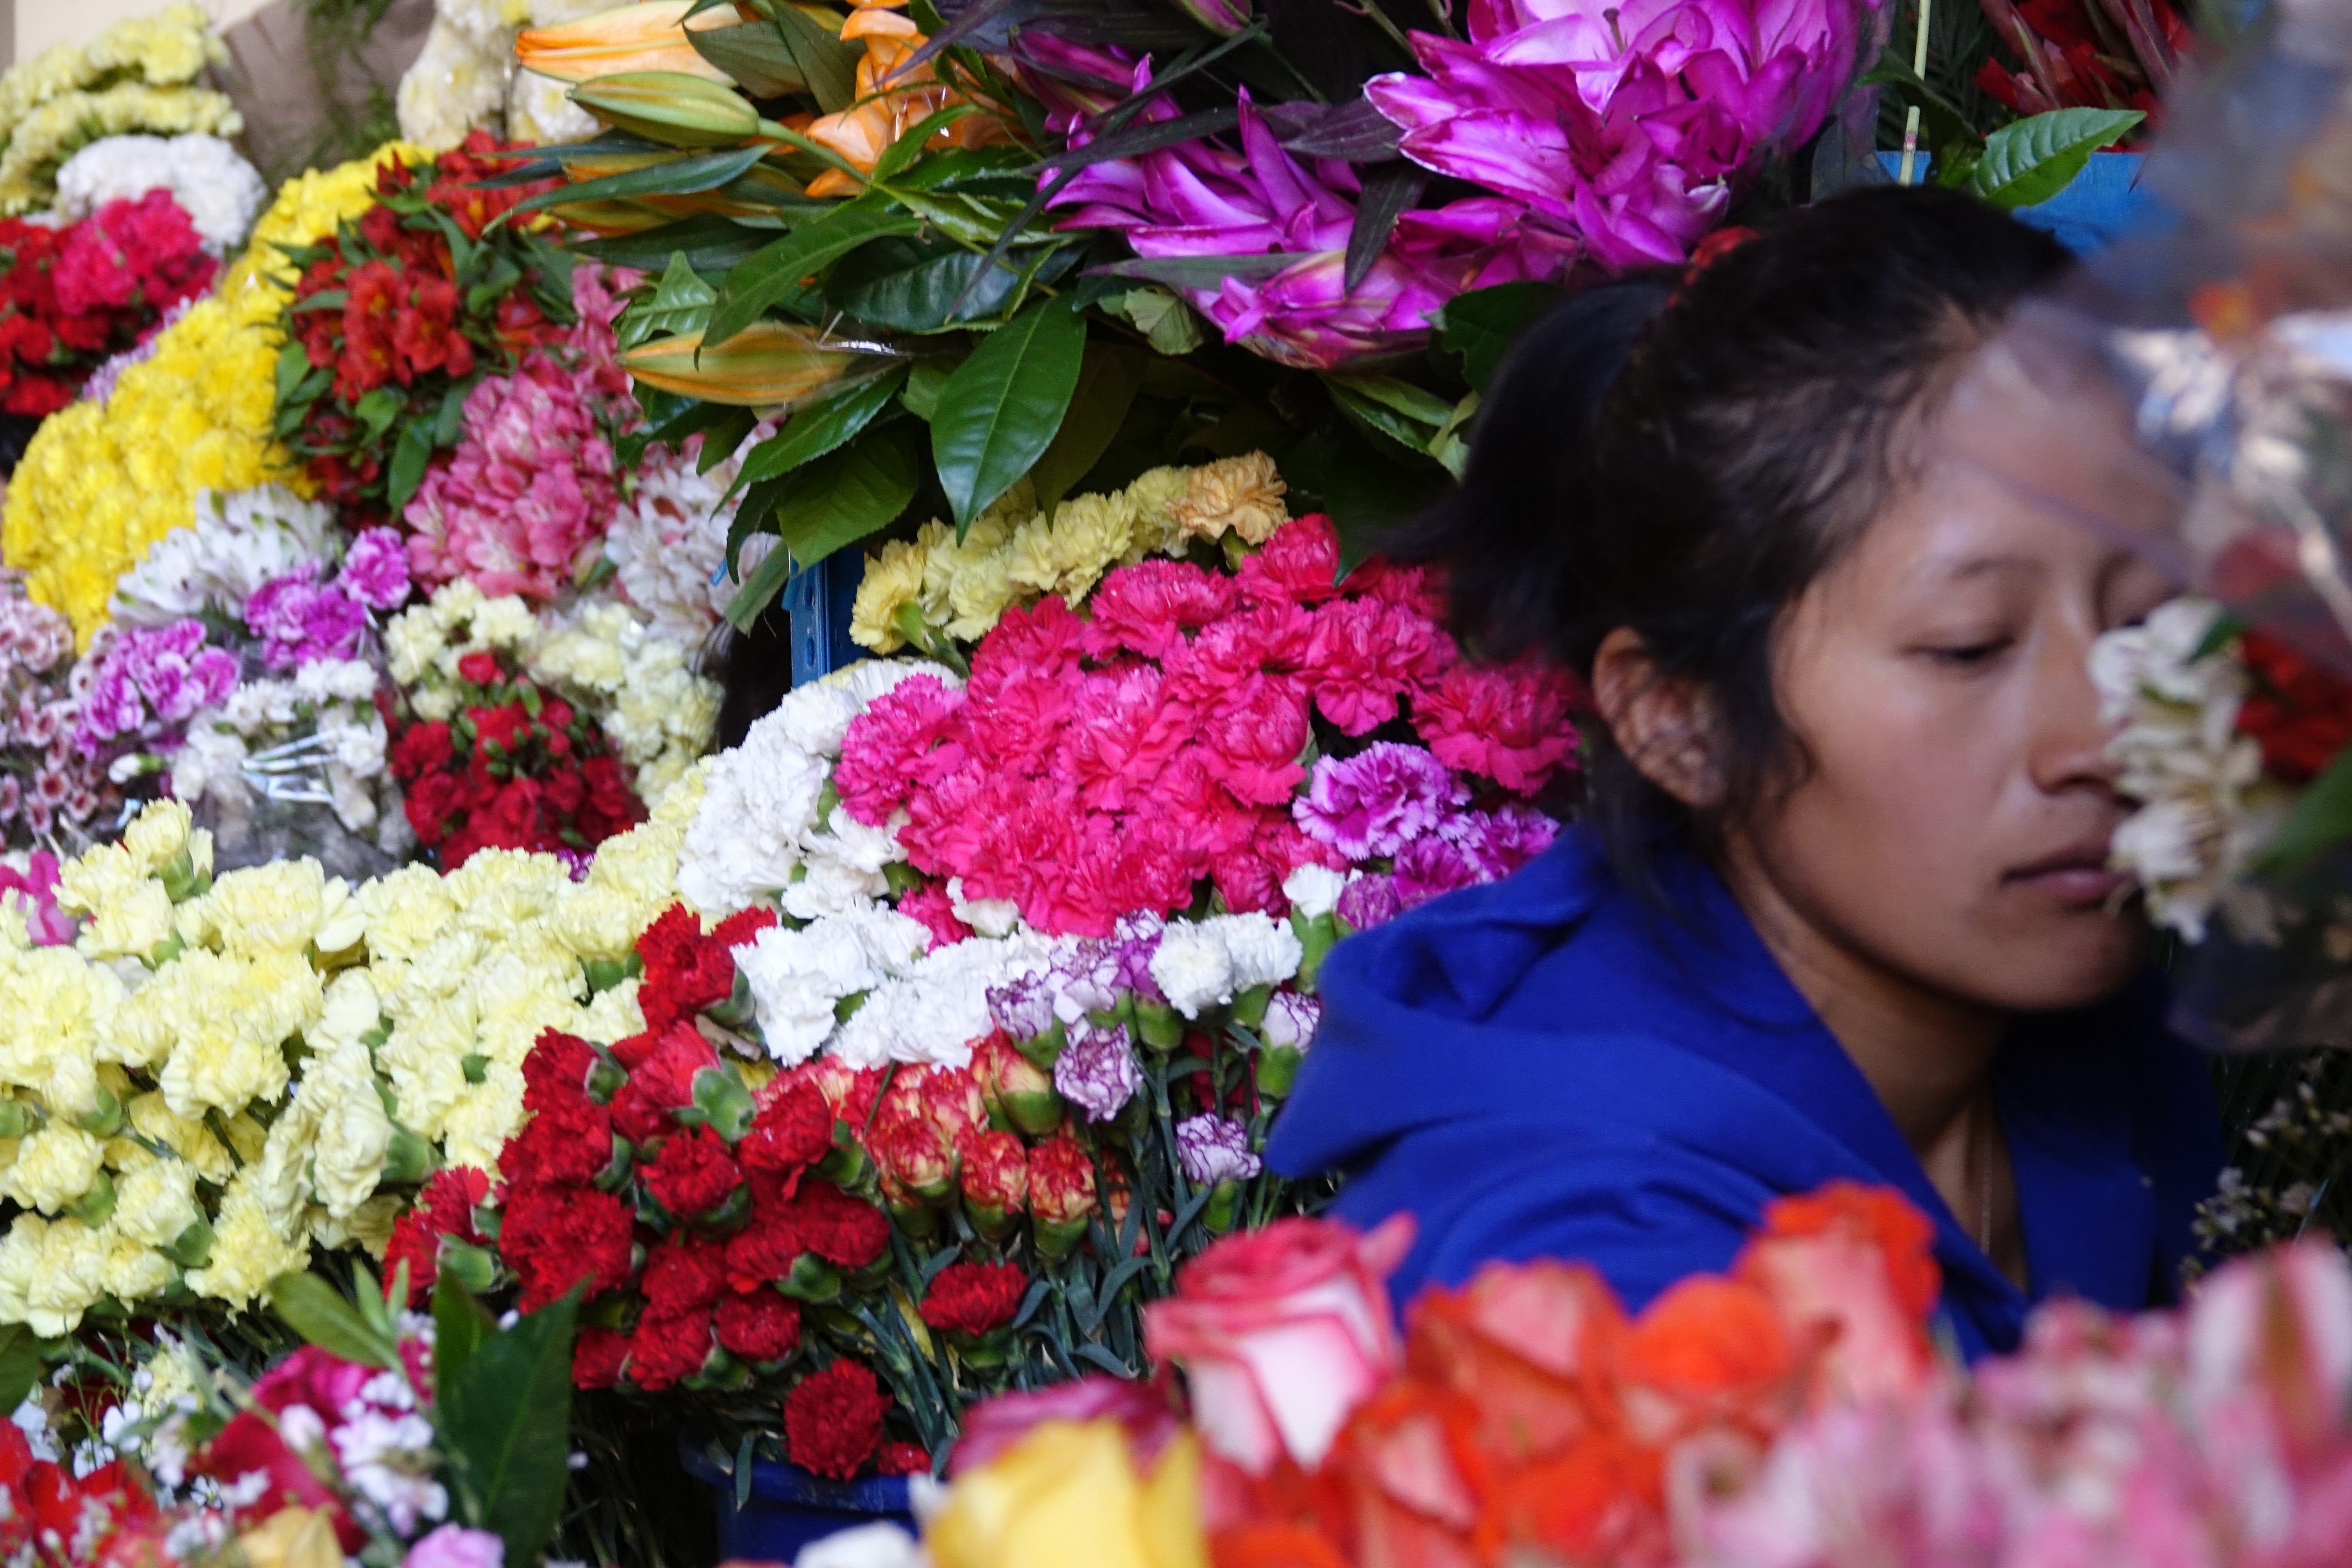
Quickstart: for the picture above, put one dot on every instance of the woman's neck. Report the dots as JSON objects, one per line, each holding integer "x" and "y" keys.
{"x": 1928, "y": 1055}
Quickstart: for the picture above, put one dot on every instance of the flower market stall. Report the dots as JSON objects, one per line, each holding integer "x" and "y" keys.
{"x": 481, "y": 981}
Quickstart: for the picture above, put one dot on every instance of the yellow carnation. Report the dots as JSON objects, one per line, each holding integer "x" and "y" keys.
{"x": 1240, "y": 495}
{"x": 52, "y": 1167}
{"x": 1091, "y": 535}
{"x": 155, "y": 1200}
{"x": 1154, "y": 496}
{"x": 893, "y": 580}
{"x": 248, "y": 1252}
{"x": 186, "y": 1136}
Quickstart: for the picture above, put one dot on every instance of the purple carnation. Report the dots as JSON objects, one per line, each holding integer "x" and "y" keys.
{"x": 164, "y": 673}
{"x": 1291, "y": 1019}
{"x": 1096, "y": 1071}
{"x": 1136, "y": 940}
{"x": 1214, "y": 1151}
{"x": 375, "y": 570}
{"x": 299, "y": 621}
{"x": 1085, "y": 976}
{"x": 113, "y": 708}
{"x": 1431, "y": 866}
{"x": 1022, "y": 1008}
{"x": 1370, "y": 901}
{"x": 1377, "y": 801}
{"x": 1499, "y": 841}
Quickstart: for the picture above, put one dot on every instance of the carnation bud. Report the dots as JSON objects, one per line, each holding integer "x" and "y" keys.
{"x": 721, "y": 1102}
{"x": 105, "y": 1120}
{"x": 606, "y": 1078}
{"x": 17, "y": 1119}
{"x": 1317, "y": 937}
{"x": 812, "y": 1280}
{"x": 1041, "y": 1050}
{"x": 1249, "y": 1007}
{"x": 409, "y": 1159}
{"x": 617, "y": 1167}
{"x": 916, "y": 1161}
{"x": 475, "y": 1267}
{"x": 1019, "y": 1095}
{"x": 995, "y": 1172}
{"x": 94, "y": 1206}
{"x": 1159, "y": 1026}
{"x": 720, "y": 1374}
{"x": 193, "y": 1247}
{"x": 1224, "y": 1203}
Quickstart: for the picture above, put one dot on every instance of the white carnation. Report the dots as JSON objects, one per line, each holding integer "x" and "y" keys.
{"x": 238, "y": 542}
{"x": 1314, "y": 890}
{"x": 934, "y": 1012}
{"x": 220, "y": 192}
{"x": 797, "y": 978}
{"x": 989, "y": 917}
{"x": 1193, "y": 967}
{"x": 1263, "y": 951}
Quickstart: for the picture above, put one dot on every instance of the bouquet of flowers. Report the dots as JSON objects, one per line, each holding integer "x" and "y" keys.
{"x": 71, "y": 296}
{"x": 46, "y": 783}
{"x": 399, "y": 316}
{"x": 390, "y": 1438}
{"x": 1789, "y": 1412}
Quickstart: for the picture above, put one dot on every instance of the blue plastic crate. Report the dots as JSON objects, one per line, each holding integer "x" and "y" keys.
{"x": 788, "y": 1507}
{"x": 2105, "y": 202}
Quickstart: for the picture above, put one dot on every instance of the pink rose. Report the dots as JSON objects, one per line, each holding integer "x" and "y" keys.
{"x": 1281, "y": 1333}
{"x": 2278, "y": 1324}
{"x": 454, "y": 1546}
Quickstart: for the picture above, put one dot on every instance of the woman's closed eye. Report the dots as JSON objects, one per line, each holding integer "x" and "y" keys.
{"x": 1968, "y": 653}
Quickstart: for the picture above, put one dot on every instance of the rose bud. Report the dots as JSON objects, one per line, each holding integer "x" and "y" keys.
{"x": 1061, "y": 1194}
{"x": 1018, "y": 1095}
{"x": 995, "y": 1178}
{"x": 1281, "y": 1333}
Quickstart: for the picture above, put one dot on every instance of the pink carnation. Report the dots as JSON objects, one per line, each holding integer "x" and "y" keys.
{"x": 1366, "y": 654}
{"x": 930, "y": 905}
{"x": 912, "y": 735}
{"x": 1508, "y": 722}
{"x": 1150, "y": 607}
{"x": 375, "y": 570}
{"x": 1299, "y": 564}
{"x": 1123, "y": 732}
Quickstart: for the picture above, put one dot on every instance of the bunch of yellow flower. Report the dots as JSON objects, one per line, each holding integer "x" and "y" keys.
{"x": 222, "y": 1072}
{"x": 135, "y": 76}
{"x": 102, "y": 482}
{"x": 935, "y": 589}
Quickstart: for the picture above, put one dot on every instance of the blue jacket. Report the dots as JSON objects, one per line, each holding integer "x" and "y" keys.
{"x": 1548, "y": 1067}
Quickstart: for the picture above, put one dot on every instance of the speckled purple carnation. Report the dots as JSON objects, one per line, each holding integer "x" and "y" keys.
{"x": 1291, "y": 1019}
{"x": 1096, "y": 1071}
{"x": 375, "y": 570}
{"x": 1373, "y": 803}
{"x": 1213, "y": 1150}
{"x": 1370, "y": 901}
{"x": 1022, "y": 1008}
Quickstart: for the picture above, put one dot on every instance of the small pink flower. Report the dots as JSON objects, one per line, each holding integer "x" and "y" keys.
{"x": 454, "y": 1546}
{"x": 1509, "y": 723}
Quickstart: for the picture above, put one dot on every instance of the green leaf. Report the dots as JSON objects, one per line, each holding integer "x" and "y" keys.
{"x": 826, "y": 63}
{"x": 1002, "y": 406}
{"x": 900, "y": 155}
{"x": 847, "y": 495}
{"x": 755, "y": 54}
{"x": 1203, "y": 271}
{"x": 1481, "y": 324}
{"x": 1390, "y": 190}
{"x": 408, "y": 460}
{"x": 915, "y": 288}
{"x": 682, "y": 176}
{"x": 505, "y": 1423}
{"x": 709, "y": 242}
{"x": 293, "y": 366}
{"x": 819, "y": 427}
{"x": 1167, "y": 320}
{"x": 1108, "y": 379}
{"x": 1363, "y": 488}
{"x": 20, "y": 1364}
{"x": 1400, "y": 397}
{"x": 449, "y": 423}
{"x": 773, "y": 272}
{"x": 2321, "y": 820}
{"x": 460, "y": 1327}
{"x": 2033, "y": 159}
{"x": 924, "y": 380}
{"x": 377, "y": 410}
{"x": 313, "y": 1309}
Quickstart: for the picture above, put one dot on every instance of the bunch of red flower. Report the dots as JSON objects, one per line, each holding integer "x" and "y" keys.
{"x": 1526, "y": 1416}
{"x": 70, "y": 297}
{"x": 2083, "y": 54}
{"x": 395, "y": 318}
{"x": 2300, "y": 713}
{"x": 518, "y": 768}
{"x": 50, "y": 1518}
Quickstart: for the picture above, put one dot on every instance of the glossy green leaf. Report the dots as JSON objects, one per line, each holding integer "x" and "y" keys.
{"x": 2032, "y": 160}
{"x": 711, "y": 244}
{"x": 753, "y": 53}
{"x": 687, "y": 175}
{"x": 314, "y": 1310}
{"x": 819, "y": 427}
{"x": 773, "y": 272}
{"x": 1002, "y": 406}
{"x": 1108, "y": 379}
{"x": 848, "y": 495}
{"x": 826, "y": 63}
{"x": 409, "y": 455}
{"x": 1160, "y": 316}
{"x": 1390, "y": 191}
{"x": 460, "y": 1327}
{"x": 900, "y": 155}
{"x": 1481, "y": 324}
{"x": 907, "y": 287}
{"x": 924, "y": 380}
{"x": 20, "y": 1363}
{"x": 506, "y": 1423}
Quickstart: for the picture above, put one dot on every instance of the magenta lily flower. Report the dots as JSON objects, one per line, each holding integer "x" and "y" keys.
{"x": 1201, "y": 199}
{"x": 1627, "y": 128}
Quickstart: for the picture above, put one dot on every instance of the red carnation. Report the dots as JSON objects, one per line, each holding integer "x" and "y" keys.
{"x": 566, "y": 1142}
{"x": 421, "y": 749}
{"x": 556, "y": 1070}
{"x": 837, "y": 1227}
{"x": 761, "y": 1326}
{"x": 793, "y": 1129}
{"x": 554, "y": 1237}
{"x": 903, "y": 1459}
{"x": 974, "y": 1298}
{"x": 481, "y": 668}
{"x": 851, "y": 1091}
{"x": 2301, "y": 714}
{"x": 693, "y": 1174}
{"x": 444, "y": 1207}
{"x": 597, "y": 1357}
{"x": 765, "y": 1250}
{"x": 832, "y": 1421}
{"x": 661, "y": 1082}
{"x": 668, "y": 1347}
{"x": 683, "y": 1273}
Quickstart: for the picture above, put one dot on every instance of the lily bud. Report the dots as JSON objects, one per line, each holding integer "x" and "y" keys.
{"x": 1223, "y": 18}
{"x": 648, "y": 36}
{"x": 671, "y": 107}
{"x": 768, "y": 365}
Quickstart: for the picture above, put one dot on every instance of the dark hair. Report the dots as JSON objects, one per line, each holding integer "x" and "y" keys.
{"x": 1684, "y": 457}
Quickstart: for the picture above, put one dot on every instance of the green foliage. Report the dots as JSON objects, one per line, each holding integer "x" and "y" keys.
{"x": 2032, "y": 160}
{"x": 504, "y": 1414}
{"x": 1002, "y": 406}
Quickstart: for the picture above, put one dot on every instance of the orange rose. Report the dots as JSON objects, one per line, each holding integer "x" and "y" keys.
{"x": 1535, "y": 1346}
{"x": 1851, "y": 1270}
{"x": 1709, "y": 1350}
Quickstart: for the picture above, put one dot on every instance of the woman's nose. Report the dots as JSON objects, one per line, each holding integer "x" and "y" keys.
{"x": 2069, "y": 744}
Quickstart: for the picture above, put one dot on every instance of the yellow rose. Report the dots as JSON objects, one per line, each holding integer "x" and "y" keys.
{"x": 53, "y": 1167}
{"x": 1067, "y": 1496}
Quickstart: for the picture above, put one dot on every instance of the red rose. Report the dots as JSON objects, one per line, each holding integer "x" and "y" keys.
{"x": 683, "y": 1273}
{"x": 597, "y": 1357}
{"x": 554, "y": 1237}
{"x": 832, "y": 1420}
{"x": 970, "y": 1298}
{"x": 693, "y": 1174}
{"x": 837, "y": 1227}
{"x": 482, "y": 670}
{"x": 759, "y": 1327}
{"x": 791, "y": 1131}
{"x": 669, "y": 1347}
{"x": 444, "y": 1207}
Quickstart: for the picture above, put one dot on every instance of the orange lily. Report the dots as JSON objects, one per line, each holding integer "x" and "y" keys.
{"x": 647, "y": 36}
{"x": 889, "y": 99}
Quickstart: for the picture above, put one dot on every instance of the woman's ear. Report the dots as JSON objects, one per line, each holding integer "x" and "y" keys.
{"x": 1666, "y": 725}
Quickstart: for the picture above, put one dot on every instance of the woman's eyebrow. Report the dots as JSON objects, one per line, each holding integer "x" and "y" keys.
{"x": 1960, "y": 568}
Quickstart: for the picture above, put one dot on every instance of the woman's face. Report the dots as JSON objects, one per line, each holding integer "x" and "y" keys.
{"x": 1953, "y": 827}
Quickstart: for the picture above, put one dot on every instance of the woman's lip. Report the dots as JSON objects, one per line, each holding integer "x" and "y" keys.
{"x": 2078, "y": 882}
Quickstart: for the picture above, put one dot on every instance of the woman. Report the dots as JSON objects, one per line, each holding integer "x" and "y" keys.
{"x": 1840, "y": 908}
